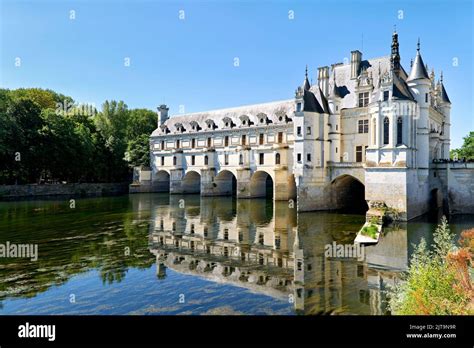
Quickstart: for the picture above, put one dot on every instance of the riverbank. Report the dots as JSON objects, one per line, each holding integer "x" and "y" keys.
{"x": 19, "y": 192}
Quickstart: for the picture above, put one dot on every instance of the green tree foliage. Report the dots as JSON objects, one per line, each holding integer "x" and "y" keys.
{"x": 138, "y": 151}
{"x": 46, "y": 137}
{"x": 467, "y": 149}
{"x": 430, "y": 286}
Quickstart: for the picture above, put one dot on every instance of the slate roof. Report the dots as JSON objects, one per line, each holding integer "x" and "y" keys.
{"x": 418, "y": 70}
{"x": 273, "y": 110}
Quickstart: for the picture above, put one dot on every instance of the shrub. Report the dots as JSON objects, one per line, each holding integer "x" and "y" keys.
{"x": 437, "y": 282}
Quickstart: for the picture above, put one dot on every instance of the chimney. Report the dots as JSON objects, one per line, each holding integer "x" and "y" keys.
{"x": 356, "y": 58}
{"x": 323, "y": 79}
{"x": 162, "y": 114}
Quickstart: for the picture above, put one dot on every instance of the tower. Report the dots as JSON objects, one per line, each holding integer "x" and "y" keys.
{"x": 419, "y": 83}
{"x": 445, "y": 105}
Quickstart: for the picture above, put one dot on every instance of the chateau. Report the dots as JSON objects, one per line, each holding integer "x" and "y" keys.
{"x": 368, "y": 131}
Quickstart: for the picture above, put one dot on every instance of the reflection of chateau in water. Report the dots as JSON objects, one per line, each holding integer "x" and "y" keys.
{"x": 265, "y": 247}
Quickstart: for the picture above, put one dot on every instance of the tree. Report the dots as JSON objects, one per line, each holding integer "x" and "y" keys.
{"x": 467, "y": 148}
{"x": 138, "y": 151}
{"x": 140, "y": 121}
{"x": 112, "y": 125}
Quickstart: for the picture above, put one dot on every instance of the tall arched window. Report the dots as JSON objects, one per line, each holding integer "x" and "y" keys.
{"x": 399, "y": 131}
{"x": 206, "y": 160}
{"x": 386, "y": 130}
{"x": 277, "y": 158}
{"x": 174, "y": 160}
{"x": 374, "y": 131}
{"x": 241, "y": 159}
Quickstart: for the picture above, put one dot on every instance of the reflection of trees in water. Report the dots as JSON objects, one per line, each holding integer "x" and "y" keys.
{"x": 93, "y": 236}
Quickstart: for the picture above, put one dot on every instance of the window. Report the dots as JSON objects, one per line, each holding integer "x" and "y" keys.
{"x": 308, "y": 157}
{"x": 241, "y": 159}
{"x": 226, "y": 233}
{"x": 193, "y": 160}
{"x": 298, "y": 130}
{"x": 162, "y": 145}
{"x": 260, "y": 239}
{"x": 261, "y": 158}
{"x": 336, "y": 149}
{"x": 244, "y": 140}
{"x": 177, "y": 144}
{"x": 280, "y": 137}
{"x": 363, "y": 126}
{"x": 174, "y": 160}
{"x": 363, "y": 99}
{"x": 374, "y": 131}
{"x": 277, "y": 158}
{"x": 308, "y": 130}
{"x": 337, "y": 127}
{"x": 358, "y": 153}
{"x": 298, "y": 107}
{"x": 206, "y": 160}
{"x": 260, "y": 139}
{"x": 205, "y": 231}
{"x": 192, "y": 228}
{"x": 193, "y": 143}
{"x": 426, "y": 97}
{"x": 209, "y": 142}
{"x": 162, "y": 161}
{"x": 399, "y": 131}
{"x": 226, "y": 141}
{"x": 385, "y": 95}
{"x": 298, "y": 157}
{"x": 226, "y": 159}
{"x": 386, "y": 129}
{"x": 299, "y": 265}
{"x": 277, "y": 243}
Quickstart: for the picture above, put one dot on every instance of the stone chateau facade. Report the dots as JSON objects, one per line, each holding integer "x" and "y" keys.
{"x": 367, "y": 131}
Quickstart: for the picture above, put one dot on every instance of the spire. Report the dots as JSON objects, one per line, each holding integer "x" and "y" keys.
{"x": 418, "y": 69}
{"x": 444, "y": 95}
{"x": 395, "y": 58}
{"x": 334, "y": 91}
{"x": 306, "y": 84}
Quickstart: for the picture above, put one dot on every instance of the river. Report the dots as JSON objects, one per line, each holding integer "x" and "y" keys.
{"x": 156, "y": 254}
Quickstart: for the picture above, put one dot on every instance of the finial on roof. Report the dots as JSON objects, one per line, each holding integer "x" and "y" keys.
{"x": 306, "y": 84}
{"x": 411, "y": 62}
{"x": 394, "y": 28}
{"x": 418, "y": 45}
{"x": 441, "y": 77}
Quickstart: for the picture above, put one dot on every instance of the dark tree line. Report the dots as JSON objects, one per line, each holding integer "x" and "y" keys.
{"x": 47, "y": 137}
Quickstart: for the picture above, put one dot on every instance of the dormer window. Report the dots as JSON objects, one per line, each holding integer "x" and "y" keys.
{"x": 228, "y": 122}
{"x": 386, "y": 95}
{"x": 195, "y": 126}
{"x": 363, "y": 99}
{"x": 164, "y": 129}
{"x": 263, "y": 118}
{"x": 245, "y": 120}
{"x": 179, "y": 127}
{"x": 298, "y": 107}
{"x": 210, "y": 124}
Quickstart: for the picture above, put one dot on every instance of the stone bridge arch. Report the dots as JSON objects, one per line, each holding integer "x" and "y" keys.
{"x": 348, "y": 194}
{"x": 161, "y": 181}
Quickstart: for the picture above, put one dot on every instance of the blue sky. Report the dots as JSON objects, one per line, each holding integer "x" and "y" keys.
{"x": 190, "y": 62}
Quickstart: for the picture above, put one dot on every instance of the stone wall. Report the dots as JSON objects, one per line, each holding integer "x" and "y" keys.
{"x": 10, "y": 192}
